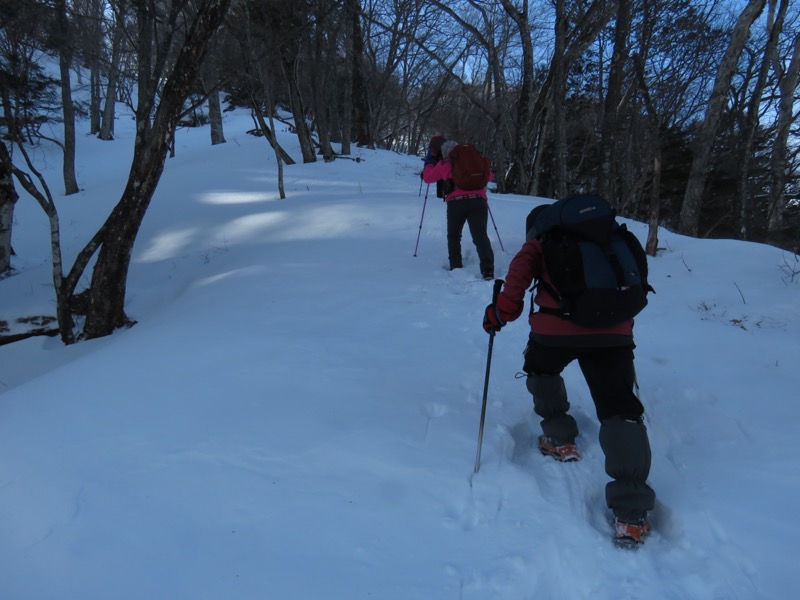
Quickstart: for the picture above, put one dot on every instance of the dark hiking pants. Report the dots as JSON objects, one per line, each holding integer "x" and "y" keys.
{"x": 609, "y": 373}
{"x": 473, "y": 211}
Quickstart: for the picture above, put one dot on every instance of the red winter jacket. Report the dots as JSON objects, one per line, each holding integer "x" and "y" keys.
{"x": 547, "y": 329}
{"x": 444, "y": 170}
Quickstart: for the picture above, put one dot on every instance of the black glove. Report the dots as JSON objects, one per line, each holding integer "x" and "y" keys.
{"x": 491, "y": 320}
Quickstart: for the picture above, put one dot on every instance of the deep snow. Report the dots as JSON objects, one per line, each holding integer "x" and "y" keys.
{"x": 295, "y": 415}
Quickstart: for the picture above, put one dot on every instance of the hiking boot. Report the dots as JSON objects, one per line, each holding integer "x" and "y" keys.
{"x": 630, "y": 533}
{"x": 488, "y": 274}
{"x": 561, "y": 452}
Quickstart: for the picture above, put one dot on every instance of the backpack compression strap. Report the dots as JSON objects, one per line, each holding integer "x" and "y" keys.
{"x": 612, "y": 257}
{"x": 563, "y": 309}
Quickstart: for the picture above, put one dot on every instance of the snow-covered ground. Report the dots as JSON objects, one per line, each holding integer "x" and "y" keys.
{"x": 295, "y": 415}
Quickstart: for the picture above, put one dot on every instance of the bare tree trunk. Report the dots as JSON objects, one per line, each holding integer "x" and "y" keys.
{"x": 361, "y": 113}
{"x": 347, "y": 82}
{"x": 541, "y": 132}
{"x": 609, "y": 141}
{"x": 653, "y": 214}
{"x": 43, "y": 197}
{"x": 106, "y": 293}
{"x": 95, "y": 33}
{"x": 518, "y": 176}
{"x": 8, "y": 198}
{"x": 94, "y": 98}
{"x": 788, "y": 86}
{"x": 215, "y": 118}
{"x": 690, "y": 211}
{"x": 291, "y": 71}
{"x": 558, "y": 98}
{"x": 269, "y": 133}
{"x": 321, "y": 67}
{"x": 109, "y": 110}
{"x": 631, "y": 167}
{"x": 775, "y": 26}
{"x": 651, "y": 247}
{"x": 65, "y": 64}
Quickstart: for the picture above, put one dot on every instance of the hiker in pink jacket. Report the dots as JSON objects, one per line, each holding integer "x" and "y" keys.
{"x": 463, "y": 206}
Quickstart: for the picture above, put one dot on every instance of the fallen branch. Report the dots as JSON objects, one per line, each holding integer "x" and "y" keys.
{"x": 16, "y": 337}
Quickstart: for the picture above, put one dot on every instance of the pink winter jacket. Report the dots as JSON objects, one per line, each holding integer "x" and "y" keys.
{"x": 444, "y": 170}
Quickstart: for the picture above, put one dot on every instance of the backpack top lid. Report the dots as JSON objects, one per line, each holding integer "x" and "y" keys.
{"x": 587, "y": 215}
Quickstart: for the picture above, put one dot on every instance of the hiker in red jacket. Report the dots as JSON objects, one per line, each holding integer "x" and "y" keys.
{"x": 463, "y": 206}
{"x": 605, "y": 357}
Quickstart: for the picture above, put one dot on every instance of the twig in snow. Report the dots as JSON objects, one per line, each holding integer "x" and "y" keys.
{"x": 740, "y": 293}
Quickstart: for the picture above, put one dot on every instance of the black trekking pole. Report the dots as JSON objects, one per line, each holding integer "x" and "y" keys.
{"x": 424, "y": 203}
{"x": 498, "y": 284}
{"x": 495, "y": 227}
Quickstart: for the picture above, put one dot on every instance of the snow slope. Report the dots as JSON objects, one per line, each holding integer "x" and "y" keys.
{"x": 295, "y": 415}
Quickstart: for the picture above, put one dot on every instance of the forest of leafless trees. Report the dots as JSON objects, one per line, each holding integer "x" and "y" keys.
{"x": 681, "y": 112}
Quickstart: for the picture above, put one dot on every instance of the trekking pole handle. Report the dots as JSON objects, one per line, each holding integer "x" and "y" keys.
{"x": 498, "y": 285}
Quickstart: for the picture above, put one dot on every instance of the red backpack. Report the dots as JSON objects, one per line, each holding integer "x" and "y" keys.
{"x": 470, "y": 168}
